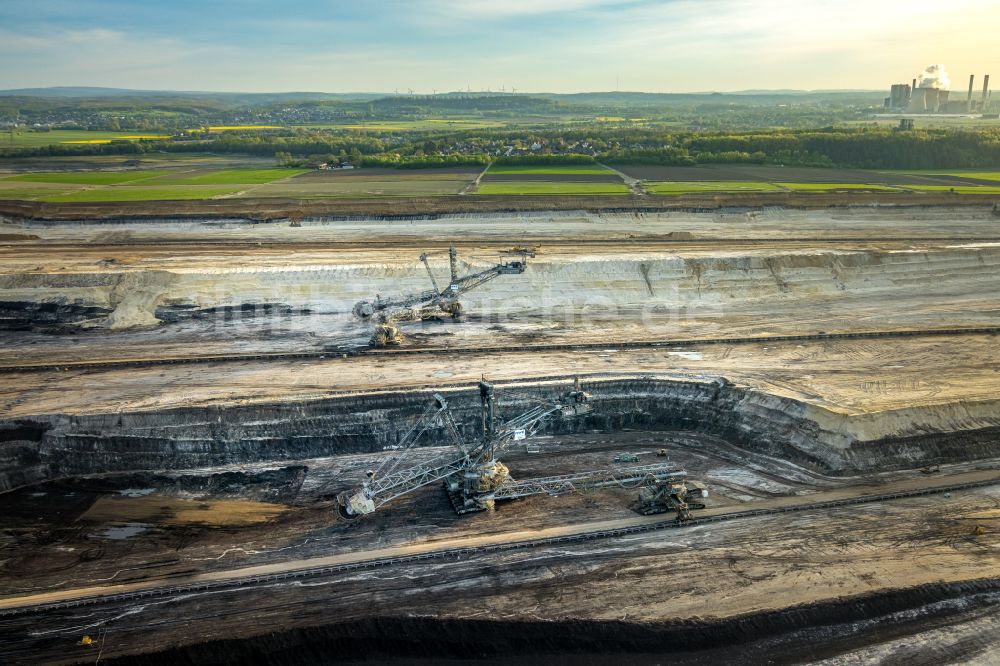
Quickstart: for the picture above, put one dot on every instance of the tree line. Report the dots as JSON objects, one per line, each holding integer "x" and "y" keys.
{"x": 851, "y": 148}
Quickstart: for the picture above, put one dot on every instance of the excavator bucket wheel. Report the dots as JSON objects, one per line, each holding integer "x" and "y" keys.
{"x": 386, "y": 336}
{"x": 342, "y": 507}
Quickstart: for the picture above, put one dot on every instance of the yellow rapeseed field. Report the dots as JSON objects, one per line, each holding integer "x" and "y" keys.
{"x": 130, "y": 137}
{"x": 223, "y": 128}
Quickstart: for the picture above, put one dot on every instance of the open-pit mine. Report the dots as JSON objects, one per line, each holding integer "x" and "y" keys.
{"x": 733, "y": 436}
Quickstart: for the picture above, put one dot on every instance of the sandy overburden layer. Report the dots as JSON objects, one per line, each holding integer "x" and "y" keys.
{"x": 629, "y": 286}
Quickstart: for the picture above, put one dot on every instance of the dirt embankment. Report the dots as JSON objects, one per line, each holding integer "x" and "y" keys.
{"x": 269, "y": 209}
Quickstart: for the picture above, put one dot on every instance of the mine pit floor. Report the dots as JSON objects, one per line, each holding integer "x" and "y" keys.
{"x": 842, "y": 376}
{"x": 711, "y": 572}
{"x": 57, "y": 533}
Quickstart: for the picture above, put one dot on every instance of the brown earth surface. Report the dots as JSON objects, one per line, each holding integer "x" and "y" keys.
{"x": 849, "y": 584}
{"x": 276, "y": 207}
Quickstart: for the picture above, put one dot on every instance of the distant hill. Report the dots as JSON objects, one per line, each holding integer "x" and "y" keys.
{"x": 88, "y": 92}
{"x": 70, "y": 91}
{"x": 640, "y": 99}
{"x": 94, "y": 91}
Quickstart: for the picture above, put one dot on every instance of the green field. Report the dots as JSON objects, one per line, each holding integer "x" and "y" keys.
{"x": 958, "y": 173}
{"x": 531, "y": 188}
{"x": 228, "y": 176}
{"x": 34, "y": 191}
{"x": 142, "y": 193}
{"x": 198, "y": 183}
{"x": 25, "y": 138}
{"x": 86, "y": 177}
{"x": 694, "y": 187}
{"x": 550, "y": 170}
{"x": 411, "y": 183}
{"x": 957, "y": 189}
{"x": 200, "y": 178}
{"x": 834, "y": 187}
{"x": 164, "y": 184}
{"x": 169, "y": 162}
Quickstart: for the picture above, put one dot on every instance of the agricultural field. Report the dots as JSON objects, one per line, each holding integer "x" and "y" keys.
{"x": 35, "y": 191}
{"x": 772, "y": 174}
{"x": 229, "y": 176}
{"x": 23, "y": 138}
{"x": 694, "y": 187}
{"x": 443, "y": 124}
{"x": 146, "y": 185}
{"x": 368, "y": 183}
{"x": 142, "y": 194}
{"x": 670, "y": 180}
{"x": 969, "y": 175}
{"x": 551, "y": 179}
{"x": 836, "y": 187}
{"x": 537, "y": 187}
{"x": 86, "y": 177}
{"x": 199, "y": 183}
{"x": 147, "y": 161}
{"x": 231, "y": 128}
{"x": 619, "y": 119}
{"x": 549, "y": 170}
{"x": 957, "y": 189}
{"x": 203, "y": 176}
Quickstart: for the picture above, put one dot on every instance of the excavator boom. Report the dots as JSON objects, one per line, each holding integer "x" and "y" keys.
{"x": 623, "y": 477}
{"x": 433, "y": 302}
{"x": 475, "y": 478}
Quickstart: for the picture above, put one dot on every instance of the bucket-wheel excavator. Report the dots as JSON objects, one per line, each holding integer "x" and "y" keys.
{"x": 475, "y": 478}
{"x": 434, "y": 303}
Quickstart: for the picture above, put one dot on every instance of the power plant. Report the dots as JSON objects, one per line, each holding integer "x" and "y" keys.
{"x": 930, "y": 93}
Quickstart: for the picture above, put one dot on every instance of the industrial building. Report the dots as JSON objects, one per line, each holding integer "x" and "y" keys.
{"x": 927, "y": 97}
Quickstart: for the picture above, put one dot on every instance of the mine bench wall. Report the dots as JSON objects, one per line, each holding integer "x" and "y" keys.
{"x": 60, "y": 445}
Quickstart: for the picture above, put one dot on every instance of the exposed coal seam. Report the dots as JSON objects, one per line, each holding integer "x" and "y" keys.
{"x": 791, "y": 635}
{"x": 55, "y": 446}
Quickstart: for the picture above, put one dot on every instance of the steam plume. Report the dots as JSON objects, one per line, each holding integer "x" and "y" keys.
{"x": 934, "y": 76}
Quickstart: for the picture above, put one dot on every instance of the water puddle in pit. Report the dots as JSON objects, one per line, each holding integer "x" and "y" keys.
{"x": 136, "y": 492}
{"x": 126, "y": 531}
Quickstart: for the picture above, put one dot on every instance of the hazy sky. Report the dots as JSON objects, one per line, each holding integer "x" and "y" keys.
{"x": 534, "y": 45}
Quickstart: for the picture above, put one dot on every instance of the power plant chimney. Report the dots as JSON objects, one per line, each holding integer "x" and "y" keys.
{"x": 968, "y": 105}
{"x": 986, "y": 91}
{"x": 914, "y": 86}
